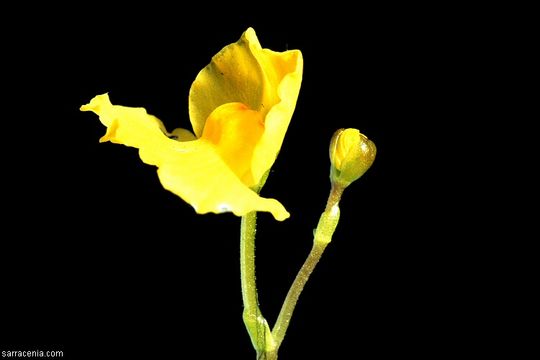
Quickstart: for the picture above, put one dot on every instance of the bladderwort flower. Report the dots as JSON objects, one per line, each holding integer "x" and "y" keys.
{"x": 240, "y": 106}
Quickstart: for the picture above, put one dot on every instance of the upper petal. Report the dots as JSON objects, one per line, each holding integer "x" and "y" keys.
{"x": 289, "y": 66}
{"x": 192, "y": 170}
{"x": 264, "y": 80}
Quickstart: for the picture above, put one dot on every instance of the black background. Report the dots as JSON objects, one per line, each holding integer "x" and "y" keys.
{"x": 99, "y": 261}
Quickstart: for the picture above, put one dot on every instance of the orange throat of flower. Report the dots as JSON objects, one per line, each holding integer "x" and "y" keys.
{"x": 235, "y": 130}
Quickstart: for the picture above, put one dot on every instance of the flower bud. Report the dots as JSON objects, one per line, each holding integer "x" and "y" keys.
{"x": 351, "y": 155}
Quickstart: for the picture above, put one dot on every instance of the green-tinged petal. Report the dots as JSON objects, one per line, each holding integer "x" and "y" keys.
{"x": 351, "y": 155}
{"x": 233, "y": 75}
{"x": 192, "y": 170}
{"x": 266, "y": 81}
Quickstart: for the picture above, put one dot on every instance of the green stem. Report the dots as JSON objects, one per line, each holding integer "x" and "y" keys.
{"x": 256, "y": 325}
{"x": 289, "y": 304}
{"x": 323, "y": 235}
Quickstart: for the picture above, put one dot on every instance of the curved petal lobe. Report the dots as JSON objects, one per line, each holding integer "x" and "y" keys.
{"x": 235, "y": 130}
{"x": 192, "y": 170}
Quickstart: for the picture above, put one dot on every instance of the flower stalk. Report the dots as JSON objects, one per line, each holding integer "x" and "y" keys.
{"x": 323, "y": 235}
{"x": 256, "y": 325}
{"x": 351, "y": 155}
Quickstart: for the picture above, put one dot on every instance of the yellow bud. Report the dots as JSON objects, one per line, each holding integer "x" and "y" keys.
{"x": 351, "y": 155}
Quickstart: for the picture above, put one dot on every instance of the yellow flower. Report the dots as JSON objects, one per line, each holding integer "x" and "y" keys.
{"x": 240, "y": 106}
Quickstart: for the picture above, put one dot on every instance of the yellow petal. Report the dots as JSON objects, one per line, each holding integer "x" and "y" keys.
{"x": 139, "y": 128}
{"x": 192, "y": 170}
{"x": 235, "y": 130}
{"x": 277, "y": 119}
{"x": 266, "y": 81}
{"x": 182, "y": 135}
{"x": 202, "y": 179}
